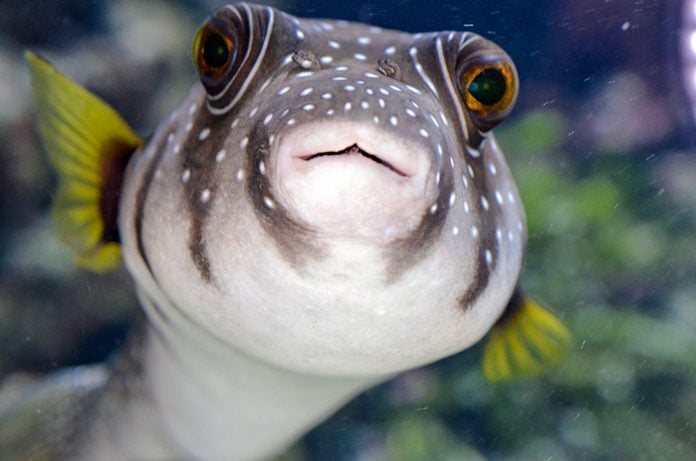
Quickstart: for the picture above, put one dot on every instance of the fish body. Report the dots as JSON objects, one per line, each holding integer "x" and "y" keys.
{"x": 326, "y": 208}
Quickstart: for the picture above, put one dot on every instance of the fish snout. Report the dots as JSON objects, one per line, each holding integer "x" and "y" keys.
{"x": 345, "y": 179}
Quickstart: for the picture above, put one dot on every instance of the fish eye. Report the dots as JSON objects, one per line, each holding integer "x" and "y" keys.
{"x": 489, "y": 89}
{"x": 212, "y": 52}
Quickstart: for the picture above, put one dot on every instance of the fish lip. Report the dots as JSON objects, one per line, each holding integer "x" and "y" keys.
{"x": 408, "y": 159}
{"x": 355, "y": 149}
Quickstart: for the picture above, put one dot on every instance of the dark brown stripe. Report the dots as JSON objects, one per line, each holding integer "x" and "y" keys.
{"x": 487, "y": 225}
{"x": 405, "y": 253}
{"x": 295, "y": 241}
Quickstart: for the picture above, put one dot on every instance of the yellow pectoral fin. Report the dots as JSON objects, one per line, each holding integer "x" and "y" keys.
{"x": 525, "y": 342}
{"x": 88, "y": 144}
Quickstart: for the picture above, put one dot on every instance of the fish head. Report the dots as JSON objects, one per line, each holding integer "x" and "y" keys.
{"x": 330, "y": 198}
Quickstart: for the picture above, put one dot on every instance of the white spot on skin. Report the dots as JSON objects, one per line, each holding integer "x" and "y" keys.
{"x": 170, "y": 138}
{"x": 348, "y": 106}
{"x": 499, "y": 197}
{"x": 473, "y": 152}
{"x": 411, "y": 113}
{"x": 488, "y": 256}
{"x": 381, "y": 102}
{"x": 243, "y": 143}
{"x": 360, "y": 56}
{"x": 364, "y": 105}
{"x": 498, "y": 234}
{"x": 510, "y": 197}
{"x": 393, "y": 120}
{"x": 326, "y": 59}
{"x": 283, "y": 90}
{"x": 439, "y": 150}
{"x": 271, "y": 138}
{"x": 339, "y": 79}
{"x": 474, "y": 231}
{"x": 455, "y": 230}
{"x": 424, "y": 133}
{"x": 192, "y": 109}
{"x": 177, "y": 148}
{"x": 433, "y": 208}
{"x": 467, "y": 208}
{"x": 308, "y": 107}
{"x": 465, "y": 181}
{"x": 306, "y": 91}
{"x": 205, "y": 196}
{"x": 285, "y": 112}
{"x": 186, "y": 175}
{"x": 188, "y": 126}
{"x": 370, "y": 75}
{"x": 384, "y": 91}
{"x": 306, "y": 73}
{"x": 235, "y": 122}
{"x": 268, "y": 119}
{"x": 262, "y": 167}
{"x": 291, "y": 121}
{"x": 220, "y": 156}
{"x": 240, "y": 175}
{"x": 369, "y": 91}
{"x": 158, "y": 174}
{"x": 341, "y": 68}
{"x": 484, "y": 203}
{"x": 510, "y": 236}
{"x": 330, "y": 112}
{"x": 334, "y": 45}
{"x": 395, "y": 88}
{"x": 452, "y": 199}
{"x": 390, "y": 50}
{"x": 326, "y": 96}
{"x": 470, "y": 171}
{"x": 264, "y": 85}
{"x": 269, "y": 203}
{"x": 375, "y": 119}
{"x": 443, "y": 118}
{"x": 363, "y": 40}
{"x": 434, "y": 120}
{"x": 492, "y": 169}
{"x": 349, "y": 88}
{"x": 413, "y": 89}
{"x": 437, "y": 178}
{"x": 299, "y": 34}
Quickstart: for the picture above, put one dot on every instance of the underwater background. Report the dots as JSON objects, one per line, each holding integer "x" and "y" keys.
{"x": 603, "y": 147}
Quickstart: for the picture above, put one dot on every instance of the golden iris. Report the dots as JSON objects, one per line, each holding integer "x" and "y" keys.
{"x": 489, "y": 88}
{"x": 212, "y": 52}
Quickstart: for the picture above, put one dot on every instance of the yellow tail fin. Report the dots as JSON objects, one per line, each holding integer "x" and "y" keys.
{"x": 525, "y": 342}
{"x": 88, "y": 144}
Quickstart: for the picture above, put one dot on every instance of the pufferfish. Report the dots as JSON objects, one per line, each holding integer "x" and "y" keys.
{"x": 326, "y": 208}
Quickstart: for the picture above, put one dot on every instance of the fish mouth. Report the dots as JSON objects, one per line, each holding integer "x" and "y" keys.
{"x": 350, "y": 180}
{"x": 356, "y": 150}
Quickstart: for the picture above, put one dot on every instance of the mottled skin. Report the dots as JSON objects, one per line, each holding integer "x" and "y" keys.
{"x": 279, "y": 280}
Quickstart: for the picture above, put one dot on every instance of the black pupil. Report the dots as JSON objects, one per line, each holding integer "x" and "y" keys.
{"x": 215, "y": 51}
{"x": 488, "y": 87}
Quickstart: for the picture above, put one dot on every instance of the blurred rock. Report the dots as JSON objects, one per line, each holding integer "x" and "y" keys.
{"x": 625, "y": 114}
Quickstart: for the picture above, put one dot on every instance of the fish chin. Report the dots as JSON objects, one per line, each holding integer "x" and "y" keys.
{"x": 351, "y": 181}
